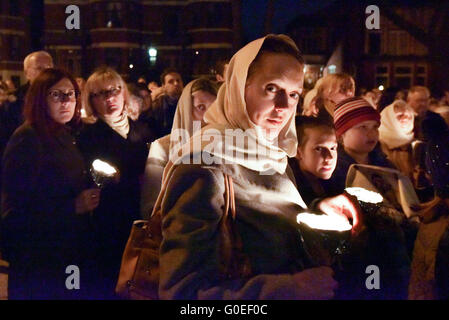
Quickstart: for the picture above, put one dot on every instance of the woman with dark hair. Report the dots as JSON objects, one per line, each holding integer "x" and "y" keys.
{"x": 45, "y": 199}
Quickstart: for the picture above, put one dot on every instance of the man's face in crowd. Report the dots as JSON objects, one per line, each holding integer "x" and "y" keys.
{"x": 36, "y": 64}
{"x": 419, "y": 101}
{"x": 173, "y": 84}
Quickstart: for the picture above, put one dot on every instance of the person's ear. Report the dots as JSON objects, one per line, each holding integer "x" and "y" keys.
{"x": 299, "y": 153}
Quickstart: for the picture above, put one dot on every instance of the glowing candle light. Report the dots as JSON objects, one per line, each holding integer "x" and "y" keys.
{"x": 102, "y": 172}
{"x": 364, "y": 195}
{"x": 103, "y": 167}
{"x": 324, "y": 222}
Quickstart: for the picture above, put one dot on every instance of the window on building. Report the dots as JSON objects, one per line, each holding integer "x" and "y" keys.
{"x": 374, "y": 41}
{"x": 403, "y": 75}
{"x": 170, "y": 26}
{"x": 14, "y": 7}
{"x": 382, "y": 75}
{"x": 113, "y": 57}
{"x": 113, "y": 15}
{"x": 421, "y": 75}
{"x": 14, "y": 46}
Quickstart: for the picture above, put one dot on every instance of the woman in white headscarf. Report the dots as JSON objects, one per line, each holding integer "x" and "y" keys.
{"x": 396, "y": 135}
{"x": 250, "y": 132}
{"x": 195, "y": 99}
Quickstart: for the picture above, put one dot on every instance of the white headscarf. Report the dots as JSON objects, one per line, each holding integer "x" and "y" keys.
{"x": 229, "y": 112}
{"x": 391, "y": 132}
{"x": 183, "y": 120}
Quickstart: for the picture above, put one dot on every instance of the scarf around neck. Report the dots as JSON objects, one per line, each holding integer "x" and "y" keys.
{"x": 119, "y": 125}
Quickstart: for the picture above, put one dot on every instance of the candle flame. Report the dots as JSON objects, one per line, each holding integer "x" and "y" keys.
{"x": 365, "y": 195}
{"x": 103, "y": 167}
{"x": 324, "y": 222}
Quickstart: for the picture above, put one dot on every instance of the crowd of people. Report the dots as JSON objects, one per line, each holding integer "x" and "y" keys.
{"x": 297, "y": 150}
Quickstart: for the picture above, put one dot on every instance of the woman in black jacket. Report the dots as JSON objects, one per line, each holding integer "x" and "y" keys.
{"x": 113, "y": 137}
{"x": 44, "y": 226}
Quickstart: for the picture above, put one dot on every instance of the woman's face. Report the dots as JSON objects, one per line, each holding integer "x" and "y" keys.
{"x": 201, "y": 102}
{"x": 362, "y": 138}
{"x": 272, "y": 91}
{"x": 61, "y": 101}
{"x": 403, "y": 115}
{"x": 108, "y": 100}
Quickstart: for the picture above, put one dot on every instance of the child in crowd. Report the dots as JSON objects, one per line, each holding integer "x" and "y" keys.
{"x": 357, "y": 129}
{"x": 316, "y": 158}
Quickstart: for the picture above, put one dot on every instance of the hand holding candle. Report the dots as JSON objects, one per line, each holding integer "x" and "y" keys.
{"x": 345, "y": 206}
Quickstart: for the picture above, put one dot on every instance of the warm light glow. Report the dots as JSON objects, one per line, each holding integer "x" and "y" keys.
{"x": 103, "y": 168}
{"x": 365, "y": 195}
{"x": 324, "y": 222}
{"x": 196, "y": 52}
{"x": 381, "y": 88}
{"x": 131, "y": 66}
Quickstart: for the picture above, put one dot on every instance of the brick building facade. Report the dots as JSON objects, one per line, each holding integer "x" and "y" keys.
{"x": 189, "y": 35}
{"x": 14, "y": 38}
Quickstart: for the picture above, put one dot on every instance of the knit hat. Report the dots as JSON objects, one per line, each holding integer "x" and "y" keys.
{"x": 437, "y": 156}
{"x": 352, "y": 111}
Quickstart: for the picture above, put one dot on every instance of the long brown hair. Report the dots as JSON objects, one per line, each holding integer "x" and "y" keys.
{"x": 36, "y": 107}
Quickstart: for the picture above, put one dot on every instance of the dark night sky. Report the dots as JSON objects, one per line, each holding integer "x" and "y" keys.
{"x": 253, "y": 14}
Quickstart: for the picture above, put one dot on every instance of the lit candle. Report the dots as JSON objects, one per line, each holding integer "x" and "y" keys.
{"x": 364, "y": 195}
{"x": 324, "y": 222}
{"x": 103, "y": 168}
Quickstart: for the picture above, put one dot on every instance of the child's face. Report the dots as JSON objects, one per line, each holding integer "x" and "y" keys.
{"x": 362, "y": 138}
{"x": 318, "y": 155}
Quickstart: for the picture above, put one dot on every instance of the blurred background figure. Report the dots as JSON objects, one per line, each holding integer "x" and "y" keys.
{"x": 418, "y": 99}
{"x": 333, "y": 89}
{"x": 220, "y": 69}
{"x": 396, "y": 136}
{"x": 195, "y": 99}
{"x": 430, "y": 277}
{"x": 309, "y": 107}
{"x": 164, "y": 105}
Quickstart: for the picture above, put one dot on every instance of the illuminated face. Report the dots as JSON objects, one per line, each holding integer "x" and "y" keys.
{"x": 173, "y": 84}
{"x": 61, "y": 101}
{"x": 109, "y": 100}
{"x": 272, "y": 91}
{"x": 338, "y": 96}
{"x": 318, "y": 155}
{"x": 362, "y": 138}
{"x": 419, "y": 101}
{"x": 404, "y": 116}
{"x": 36, "y": 64}
{"x": 201, "y": 102}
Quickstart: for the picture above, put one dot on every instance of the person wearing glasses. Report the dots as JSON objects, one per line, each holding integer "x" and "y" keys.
{"x": 118, "y": 140}
{"x": 46, "y": 197}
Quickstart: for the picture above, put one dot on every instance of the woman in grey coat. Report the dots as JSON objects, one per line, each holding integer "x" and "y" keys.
{"x": 250, "y": 132}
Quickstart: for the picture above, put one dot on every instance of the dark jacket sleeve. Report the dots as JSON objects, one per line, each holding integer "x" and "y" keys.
{"x": 190, "y": 256}
{"x": 28, "y": 212}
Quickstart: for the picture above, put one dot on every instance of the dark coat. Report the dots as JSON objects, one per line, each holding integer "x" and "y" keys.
{"x": 338, "y": 180}
{"x": 41, "y": 233}
{"x": 119, "y": 202}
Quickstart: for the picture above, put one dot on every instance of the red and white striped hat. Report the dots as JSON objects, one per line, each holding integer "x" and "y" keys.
{"x": 352, "y": 111}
